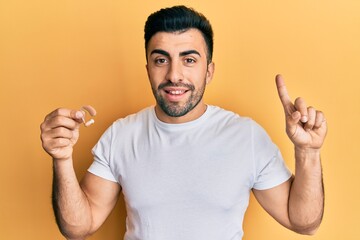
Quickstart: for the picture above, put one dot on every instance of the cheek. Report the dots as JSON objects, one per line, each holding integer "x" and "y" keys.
{"x": 155, "y": 78}
{"x": 156, "y": 72}
{"x": 153, "y": 84}
{"x": 198, "y": 76}
{"x": 151, "y": 73}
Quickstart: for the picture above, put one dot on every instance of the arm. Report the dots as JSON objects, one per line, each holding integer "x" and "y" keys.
{"x": 79, "y": 209}
{"x": 298, "y": 204}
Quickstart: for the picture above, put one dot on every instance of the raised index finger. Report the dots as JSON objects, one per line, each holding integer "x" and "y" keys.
{"x": 283, "y": 93}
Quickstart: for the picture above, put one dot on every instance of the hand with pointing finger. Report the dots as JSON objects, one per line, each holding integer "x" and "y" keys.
{"x": 305, "y": 126}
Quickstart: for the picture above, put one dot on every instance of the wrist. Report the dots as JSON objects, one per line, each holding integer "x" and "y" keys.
{"x": 307, "y": 150}
{"x": 307, "y": 157}
{"x": 62, "y": 162}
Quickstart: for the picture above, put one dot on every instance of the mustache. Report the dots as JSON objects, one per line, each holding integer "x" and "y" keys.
{"x": 170, "y": 84}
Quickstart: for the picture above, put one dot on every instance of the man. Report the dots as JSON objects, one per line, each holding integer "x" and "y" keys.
{"x": 186, "y": 168}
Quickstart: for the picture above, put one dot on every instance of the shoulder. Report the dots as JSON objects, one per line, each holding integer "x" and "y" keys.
{"x": 134, "y": 120}
{"x": 129, "y": 124}
{"x": 228, "y": 118}
{"x": 140, "y": 116}
{"x": 232, "y": 121}
{"x": 227, "y": 125}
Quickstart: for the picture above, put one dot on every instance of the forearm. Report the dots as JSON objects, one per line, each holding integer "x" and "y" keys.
{"x": 306, "y": 201}
{"x": 71, "y": 208}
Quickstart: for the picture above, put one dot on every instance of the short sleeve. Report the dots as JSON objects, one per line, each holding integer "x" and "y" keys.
{"x": 102, "y": 156}
{"x": 270, "y": 168}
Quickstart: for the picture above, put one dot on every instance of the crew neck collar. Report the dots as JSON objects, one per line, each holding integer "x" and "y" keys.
{"x": 181, "y": 126}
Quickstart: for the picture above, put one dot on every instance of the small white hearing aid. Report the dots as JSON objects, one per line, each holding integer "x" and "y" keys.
{"x": 92, "y": 113}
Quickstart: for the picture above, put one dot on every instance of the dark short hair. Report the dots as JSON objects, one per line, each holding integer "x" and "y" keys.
{"x": 179, "y": 18}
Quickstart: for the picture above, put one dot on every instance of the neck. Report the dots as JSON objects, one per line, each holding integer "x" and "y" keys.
{"x": 194, "y": 114}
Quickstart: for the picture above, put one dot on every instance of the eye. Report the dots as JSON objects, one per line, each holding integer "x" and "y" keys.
{"x": 160, "y": 61}
{"x": 190, "y": 61}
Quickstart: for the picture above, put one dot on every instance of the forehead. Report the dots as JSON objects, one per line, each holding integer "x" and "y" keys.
{"x": 191, "y": 39}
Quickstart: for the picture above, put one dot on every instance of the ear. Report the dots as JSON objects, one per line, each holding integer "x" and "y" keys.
{"x": 147, "y": 70}
{"x": 210, "y": 72}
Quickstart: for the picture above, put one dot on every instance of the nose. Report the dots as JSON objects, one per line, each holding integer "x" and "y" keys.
{"x": 174, "y": 73}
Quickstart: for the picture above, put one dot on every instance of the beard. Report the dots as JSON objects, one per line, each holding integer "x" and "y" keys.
{"x": 178, "y": 109}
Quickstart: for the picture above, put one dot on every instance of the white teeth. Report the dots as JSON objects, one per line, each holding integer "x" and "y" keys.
{"x": 177, "y": 92}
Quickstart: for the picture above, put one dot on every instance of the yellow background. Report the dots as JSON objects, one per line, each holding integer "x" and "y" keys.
{"x": 70, "y": 53}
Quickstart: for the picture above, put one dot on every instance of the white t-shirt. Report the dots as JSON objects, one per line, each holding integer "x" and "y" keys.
{"x": 191, "y": 180}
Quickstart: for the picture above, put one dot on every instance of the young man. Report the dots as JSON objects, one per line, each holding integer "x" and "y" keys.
{"x": 186, "y": 168}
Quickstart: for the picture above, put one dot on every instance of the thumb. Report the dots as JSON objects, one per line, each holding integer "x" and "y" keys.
{"x": 292, "y": 122}
{"x": 77, "y": 115}
{"x": 295, "y": 118}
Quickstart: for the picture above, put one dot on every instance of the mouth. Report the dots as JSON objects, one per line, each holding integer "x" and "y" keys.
{"x": 175, "y": 94}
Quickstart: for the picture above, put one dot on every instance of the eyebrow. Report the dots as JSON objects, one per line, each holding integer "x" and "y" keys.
{"x": 189, "y": 52}
{"x": 159, "y": 51}
{"x": 165, "y": 53}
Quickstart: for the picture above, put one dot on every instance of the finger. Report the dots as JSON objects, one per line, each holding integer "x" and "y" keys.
{"x": 320, "y": 119}
{"x": 60, "y": 121}
{"x": 60, "y": 132}
{"x": 56, "y": 135}
{"x": 51, "y": 145}
{"x": 90, "y": 109}
{"x": 283, "y": 94}
{"x": 69, "y": 113}
{"x": 311, "y": 118}
{"x": 300, "y": 106}
{"x": 292, "y": 123}
{"x": 295, "y": 118}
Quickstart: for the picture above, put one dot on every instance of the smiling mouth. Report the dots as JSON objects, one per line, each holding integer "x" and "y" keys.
{"x": 175, "y": 92}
